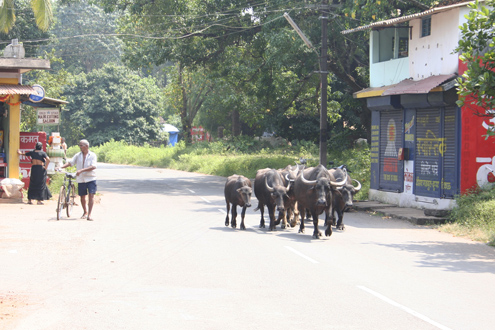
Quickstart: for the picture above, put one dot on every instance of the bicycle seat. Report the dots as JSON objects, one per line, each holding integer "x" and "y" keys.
{"x": 70, "y": 175}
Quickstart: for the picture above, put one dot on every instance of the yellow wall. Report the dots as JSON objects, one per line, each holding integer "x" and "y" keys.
{"x": 14, "y": 137}
{"x": 14, "y": 118}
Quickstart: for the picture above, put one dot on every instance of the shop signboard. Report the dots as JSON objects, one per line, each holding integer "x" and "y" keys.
{"x": 48, "y": 116}
{"x": 40, "y": 94}
{"x": 199, "y": 134}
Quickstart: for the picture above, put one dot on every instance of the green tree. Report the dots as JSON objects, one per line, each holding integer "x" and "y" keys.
{"x": 115, "y": 103}
{"x": 42, "y": 10}
{"x": 186, "y": 94}
{"x": 25, "y": 29}
{"x": 266, "y": 70}
{"x": 477, "y": 48}
{"x": 84, "y": 37}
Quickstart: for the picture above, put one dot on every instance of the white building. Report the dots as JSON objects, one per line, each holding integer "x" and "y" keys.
{"x": 425, "y": 150}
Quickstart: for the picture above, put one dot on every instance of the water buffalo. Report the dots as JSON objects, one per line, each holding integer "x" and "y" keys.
{"x": 238, "y": 191}
{"x": 270, "y": 190}
{"x": 290, "y": 213}
{"x": 313, "y": 189}
{"x": 342, "y": 199}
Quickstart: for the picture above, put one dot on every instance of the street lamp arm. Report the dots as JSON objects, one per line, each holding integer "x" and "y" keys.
{"x": 298, "y": 30}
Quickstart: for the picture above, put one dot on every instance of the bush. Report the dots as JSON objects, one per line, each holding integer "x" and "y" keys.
{"x": 474, "y": 215}
{"x": 243, "y": 156}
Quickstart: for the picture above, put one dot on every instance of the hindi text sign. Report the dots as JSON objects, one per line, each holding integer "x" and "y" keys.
{"x": 48, "y": 116}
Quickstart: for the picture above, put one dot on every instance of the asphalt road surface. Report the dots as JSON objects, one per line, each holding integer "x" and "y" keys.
{"x": 158, "y": 256}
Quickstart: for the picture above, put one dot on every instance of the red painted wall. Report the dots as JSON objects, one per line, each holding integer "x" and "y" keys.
{"x": 477, "y": 153}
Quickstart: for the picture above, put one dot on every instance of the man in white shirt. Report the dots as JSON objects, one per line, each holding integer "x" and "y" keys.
{"x": 85, "y": 162}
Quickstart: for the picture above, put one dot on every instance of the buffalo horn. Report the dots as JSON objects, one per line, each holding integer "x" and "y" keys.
{"x": 338, "y": 183}
{"x": 312, "y": 183}
{"x": 358, "y": 186}
{"x": 270, "y": 189}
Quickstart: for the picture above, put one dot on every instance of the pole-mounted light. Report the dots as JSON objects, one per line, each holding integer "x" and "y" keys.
{"x": 298, "y": 30}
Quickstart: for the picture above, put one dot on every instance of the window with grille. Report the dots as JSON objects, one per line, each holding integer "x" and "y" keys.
{"x": 426, "y": 26}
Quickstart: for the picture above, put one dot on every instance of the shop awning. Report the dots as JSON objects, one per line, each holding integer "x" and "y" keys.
{"x": 438, "y": 83}
{"x": 16, "y": 89}
{"x": 47, "y": 102}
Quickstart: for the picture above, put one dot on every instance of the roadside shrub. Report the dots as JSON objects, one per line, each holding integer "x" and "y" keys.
{"x": 474, "y": 213}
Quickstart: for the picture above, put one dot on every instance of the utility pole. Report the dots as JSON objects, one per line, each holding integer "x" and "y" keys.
{"x": 323, "y": 85}
{"x": 323, "y": 75}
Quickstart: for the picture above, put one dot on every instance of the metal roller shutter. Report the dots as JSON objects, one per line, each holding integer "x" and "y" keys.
{"x": 450, "y": 177}
{"x": 391, "y": 169}
{"x": 429, "y": 149}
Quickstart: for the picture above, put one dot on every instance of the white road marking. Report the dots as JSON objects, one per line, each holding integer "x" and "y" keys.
{"x": 191, "y": 191}
{"x": 204, "y": 199}
{"x": 222, "y": 211}
{"x": 404, "y": 308}
{"x": 301, "y": 255}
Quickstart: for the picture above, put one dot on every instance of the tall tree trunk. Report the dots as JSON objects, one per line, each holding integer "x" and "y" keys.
{"x": 186, "y": 127}
{"x": 236, "y": 123}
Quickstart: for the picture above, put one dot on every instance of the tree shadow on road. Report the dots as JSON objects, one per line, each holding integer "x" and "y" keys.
{"x": 451, "y": 256}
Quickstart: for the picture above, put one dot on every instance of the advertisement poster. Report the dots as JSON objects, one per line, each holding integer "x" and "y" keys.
{"x": 477, "y": 152}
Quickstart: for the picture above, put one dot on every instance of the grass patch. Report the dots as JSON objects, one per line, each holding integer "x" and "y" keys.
{"x": 243, "y": 156}
{"x": 473, "y": 216}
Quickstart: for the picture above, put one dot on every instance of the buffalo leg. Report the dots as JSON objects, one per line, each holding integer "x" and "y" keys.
{"x": 271, "y": 214}
{"x": 282, "y": 217}
{"x": 233, "y": 222}
{"x": 302, "y": 212}
{"x": 243, "y": 213}
{"x": 340, "y": 222}
{"x": 316, "y": 231}
{"x": 227, "y": 217}
{"x": 329, "y": 222}
{"x": 261, "y": 207}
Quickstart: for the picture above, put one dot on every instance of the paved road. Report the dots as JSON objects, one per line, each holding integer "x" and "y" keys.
{"x": 158, "y": 256}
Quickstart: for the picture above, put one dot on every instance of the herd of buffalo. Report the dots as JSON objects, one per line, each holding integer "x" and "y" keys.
{"x": 294, "y": 192}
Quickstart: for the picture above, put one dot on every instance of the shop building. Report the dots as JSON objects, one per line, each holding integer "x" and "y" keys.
{"x": 12, "y": 95}
{"x": 425, "y": 149}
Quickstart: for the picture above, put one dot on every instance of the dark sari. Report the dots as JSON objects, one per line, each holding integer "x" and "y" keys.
{"x": 37, "y": 184}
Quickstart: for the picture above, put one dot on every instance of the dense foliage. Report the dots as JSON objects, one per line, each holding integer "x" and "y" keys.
{"x": 41, "y": 9}
{"x": 477, "y": 47}
{"x": 85, "y": 37}
{"x": 115, "y": 103}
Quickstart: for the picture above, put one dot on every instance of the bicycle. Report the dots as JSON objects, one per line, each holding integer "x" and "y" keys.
{"x": 67, "y": 196}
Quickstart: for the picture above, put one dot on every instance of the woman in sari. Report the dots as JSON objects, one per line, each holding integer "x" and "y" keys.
{"x": 37, "y": 184}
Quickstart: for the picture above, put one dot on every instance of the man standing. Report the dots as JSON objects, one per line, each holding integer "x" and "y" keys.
{"x": 85, "y": 162}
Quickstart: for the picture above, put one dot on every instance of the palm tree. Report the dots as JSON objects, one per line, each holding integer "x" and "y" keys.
{"x": 42, "y": 12}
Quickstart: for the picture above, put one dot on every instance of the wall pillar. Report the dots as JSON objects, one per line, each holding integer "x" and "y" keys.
{"x": 14, "y": 137}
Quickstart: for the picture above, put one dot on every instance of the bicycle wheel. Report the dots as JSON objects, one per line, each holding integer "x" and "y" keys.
{"x": 71, "y": 196}
{"x": 61, "y": 202}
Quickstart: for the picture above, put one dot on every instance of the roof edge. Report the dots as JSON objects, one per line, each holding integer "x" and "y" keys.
{"x": 398, "y": 20}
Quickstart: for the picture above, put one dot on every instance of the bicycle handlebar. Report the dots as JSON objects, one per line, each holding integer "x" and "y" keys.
{"x": 67, "y": 174}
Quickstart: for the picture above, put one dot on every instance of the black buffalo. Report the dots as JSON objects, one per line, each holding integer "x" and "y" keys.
{"x": 290, "y": 213}
{"x": 342, "y": 198}
{"x": 313, "y": 189}
{"x": 270, "y": 190}
{"x": 238, "y": 191}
